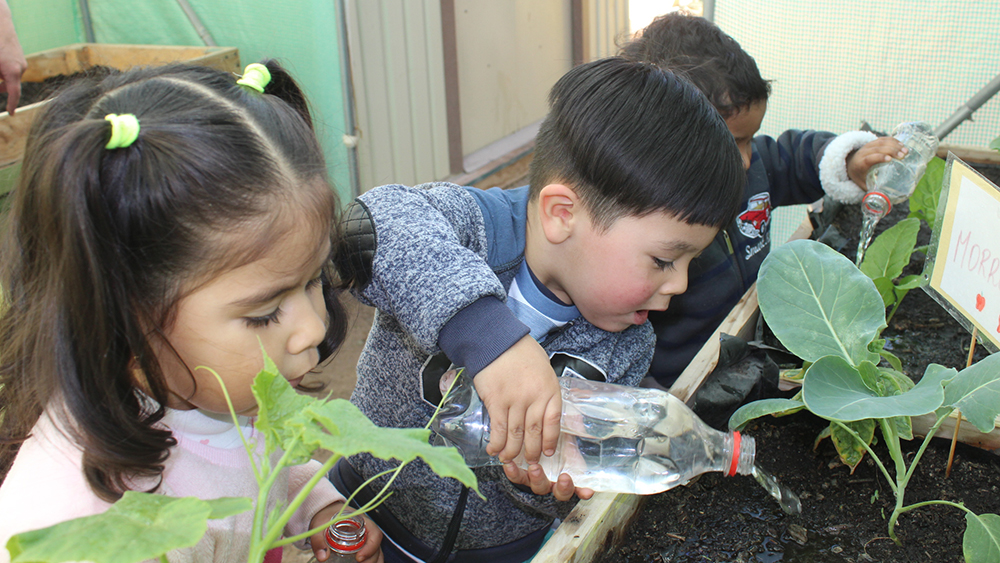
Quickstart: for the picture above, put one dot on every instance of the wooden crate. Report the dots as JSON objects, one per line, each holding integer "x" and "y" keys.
{"x": 75, "y": 58}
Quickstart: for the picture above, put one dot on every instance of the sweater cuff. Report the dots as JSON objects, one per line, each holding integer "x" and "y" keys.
{"x": 479, "y": 333}
{"x": 833, "y": 166}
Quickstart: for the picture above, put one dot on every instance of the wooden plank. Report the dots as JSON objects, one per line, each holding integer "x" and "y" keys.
{"x": 970, "y": 153}
{"x": 74, "y": 58}
{"x": 14, "y": 132}
{"x": 588, "y": 530}
{"x": 741, "y": 321}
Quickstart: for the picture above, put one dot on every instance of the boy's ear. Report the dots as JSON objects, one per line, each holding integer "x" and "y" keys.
{"x": 559, "y": 210}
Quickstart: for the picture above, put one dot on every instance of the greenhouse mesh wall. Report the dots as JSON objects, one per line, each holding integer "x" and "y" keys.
{"x": 835, "y": 63}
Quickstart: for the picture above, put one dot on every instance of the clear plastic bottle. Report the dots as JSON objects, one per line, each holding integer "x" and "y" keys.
{"x": 613, "y": 438}
{"x": 898, "y": 178}
{"x": 345, "y": 538}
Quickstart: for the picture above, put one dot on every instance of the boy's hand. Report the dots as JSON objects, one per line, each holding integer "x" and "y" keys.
{"x": 521, "y": 393}
{"x": 882, "y": 149}
{"x": 534, "y": 477}
{"x": 371, "y": 552}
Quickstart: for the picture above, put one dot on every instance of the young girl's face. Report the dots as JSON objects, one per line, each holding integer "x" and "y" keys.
{"x": 275, "y": 301}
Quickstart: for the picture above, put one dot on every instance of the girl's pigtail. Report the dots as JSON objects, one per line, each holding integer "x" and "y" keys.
{"x": 283, "y": 86}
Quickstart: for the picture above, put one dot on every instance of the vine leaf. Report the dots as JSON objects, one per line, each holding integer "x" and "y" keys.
{"x": 301, "y": 425}
{"x": 138, "y": 527}
{"x": 818, "y": 303}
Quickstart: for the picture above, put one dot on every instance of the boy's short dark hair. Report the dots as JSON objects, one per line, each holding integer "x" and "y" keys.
{"x": 632, "y": 139}
{"x": 697, "y": 50}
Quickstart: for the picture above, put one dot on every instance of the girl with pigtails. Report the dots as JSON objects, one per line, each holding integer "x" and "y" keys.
{"x": 165, "y": 219}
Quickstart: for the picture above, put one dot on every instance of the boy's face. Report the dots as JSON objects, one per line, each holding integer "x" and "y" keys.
{"x": 744, "y": 124}
{"x": 615, "y": 277}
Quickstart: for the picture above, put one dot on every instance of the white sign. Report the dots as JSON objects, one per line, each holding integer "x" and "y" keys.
{"x": 963, "y": 266}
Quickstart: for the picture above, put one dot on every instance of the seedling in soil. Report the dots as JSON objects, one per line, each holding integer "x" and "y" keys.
{"x": 830, "y": 314}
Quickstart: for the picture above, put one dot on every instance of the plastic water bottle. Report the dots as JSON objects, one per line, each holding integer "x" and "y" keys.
{"x": 898, "y": 178}
{"x": 345, "y": 538}
{"x": 613, "y": 438}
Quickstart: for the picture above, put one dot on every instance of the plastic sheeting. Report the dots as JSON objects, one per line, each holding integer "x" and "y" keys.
{"x": 837, "y": 62}
{"x": 302, "y": 34}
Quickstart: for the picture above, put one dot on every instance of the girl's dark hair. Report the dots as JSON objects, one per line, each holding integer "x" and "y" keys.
{"x": 101, "y": 244}
{"x": 697, "y": 50}
{"x": 632, "y": 139}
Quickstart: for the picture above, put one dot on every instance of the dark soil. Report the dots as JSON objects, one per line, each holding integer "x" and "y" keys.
{"x": 33, "y": 92}
{"x": 844, "y": 516}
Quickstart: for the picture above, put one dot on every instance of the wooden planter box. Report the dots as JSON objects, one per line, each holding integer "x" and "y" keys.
{"x": 75, "y": 58}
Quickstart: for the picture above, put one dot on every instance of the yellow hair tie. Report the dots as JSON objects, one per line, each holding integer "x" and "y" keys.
{"x": 124, "y": 130}
{"x": 256, "y": 76}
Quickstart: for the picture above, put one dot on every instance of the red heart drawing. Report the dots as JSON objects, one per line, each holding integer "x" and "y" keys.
{"x": 980, "y": 302}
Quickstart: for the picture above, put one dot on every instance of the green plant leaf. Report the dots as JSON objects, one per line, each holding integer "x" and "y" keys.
{"x": 833, "y": 389}
{"x": 890, "y": 252}
{"x": 976, "y": 391}
{"x": 995, "y": 144}
{"x": 139, "y": 526}
{"x": 763, "y": 407}
{"x": 851, "y": 451}
{"x": 303, "y": 425}
{"x": 907, "y": 283}
{"x": 981, "y": 543}
{"x": 886, "y": 290}
{"x": 924, "y": 200}
{"x": 904, "y": 426}
{"x": 818, "y": 303}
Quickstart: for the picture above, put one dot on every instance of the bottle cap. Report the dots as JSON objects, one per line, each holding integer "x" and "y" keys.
{"x": 347, "y": 536}
{"x": 877, "y": 203}
{"x": 735, "y": 462}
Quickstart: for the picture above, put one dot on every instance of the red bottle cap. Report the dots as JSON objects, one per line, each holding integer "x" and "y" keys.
{"x": 735, "y": 462}
{"x": 347, "y": 536}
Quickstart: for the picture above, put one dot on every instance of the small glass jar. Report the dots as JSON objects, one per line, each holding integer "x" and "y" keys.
{"x": 345, "y": 538}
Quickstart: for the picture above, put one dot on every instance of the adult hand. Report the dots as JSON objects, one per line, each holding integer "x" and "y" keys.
{"x": 12, "y": 61}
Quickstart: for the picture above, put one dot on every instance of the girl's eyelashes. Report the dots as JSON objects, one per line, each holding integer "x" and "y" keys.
{"x": 663, "y": 264}
{"x": 260, "y": 322}
{"x": 272, "y": 317}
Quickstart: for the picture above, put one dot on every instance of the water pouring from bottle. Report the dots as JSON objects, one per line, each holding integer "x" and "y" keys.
{"x": 892, "y": 182}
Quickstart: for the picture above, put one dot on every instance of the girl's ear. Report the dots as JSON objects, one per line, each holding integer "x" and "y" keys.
{"x": 559, "y": 210}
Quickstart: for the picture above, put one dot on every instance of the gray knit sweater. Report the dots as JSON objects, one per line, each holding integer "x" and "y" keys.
{"x": 442, "y": 248}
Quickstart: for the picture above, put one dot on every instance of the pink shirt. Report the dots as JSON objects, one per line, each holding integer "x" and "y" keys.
{"x": 46, "y": 486}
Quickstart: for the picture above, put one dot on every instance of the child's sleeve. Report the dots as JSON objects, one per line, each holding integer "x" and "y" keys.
{"x": 323, "y": 495}
{"x": 833, "y": 167}
{"x": 429, "y": 272}
{"x": 792, "y": 165}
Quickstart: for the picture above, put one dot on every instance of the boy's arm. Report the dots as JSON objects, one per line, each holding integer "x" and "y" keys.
{"x": 429, "y": 272}
{"x": 792, "y": 163}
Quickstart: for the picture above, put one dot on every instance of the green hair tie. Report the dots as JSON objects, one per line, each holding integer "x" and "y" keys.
{"x": 256, "y": 76}
{"x": 124, "y": 130}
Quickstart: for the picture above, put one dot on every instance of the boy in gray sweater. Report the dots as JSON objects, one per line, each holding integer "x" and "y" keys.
{"x": 634, "y": 172}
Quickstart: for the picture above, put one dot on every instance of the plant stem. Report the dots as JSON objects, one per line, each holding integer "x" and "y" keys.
{"x": 901, "y": 509}
{"x": 909, "y": 473}
{"x": 259, "y": 542}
